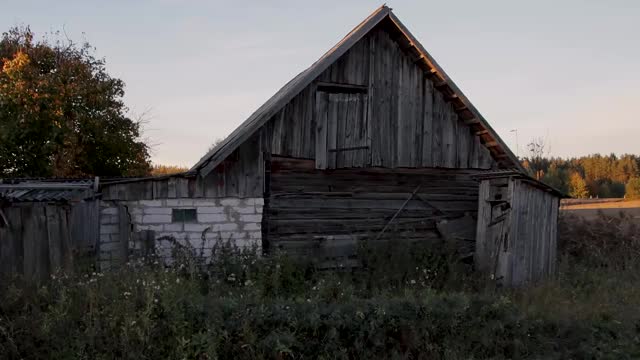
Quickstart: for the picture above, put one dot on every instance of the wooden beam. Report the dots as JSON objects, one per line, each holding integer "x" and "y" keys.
{"x": 481, "y": 132}
{"x": 472, "y": 121}
{"x": 491, "y": 144}
{"x": 419, "y": 58}
{"x": 440, "y": 84}
{"x": 342, "y": 88}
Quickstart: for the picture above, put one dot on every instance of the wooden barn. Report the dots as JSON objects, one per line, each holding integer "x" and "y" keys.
{"x": 373, "y": 142}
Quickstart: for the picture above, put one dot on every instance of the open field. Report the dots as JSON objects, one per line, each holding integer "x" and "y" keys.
{"x": 609, "y": 207}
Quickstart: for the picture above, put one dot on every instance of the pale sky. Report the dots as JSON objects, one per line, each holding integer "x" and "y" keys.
{"x": 567, "y": 71}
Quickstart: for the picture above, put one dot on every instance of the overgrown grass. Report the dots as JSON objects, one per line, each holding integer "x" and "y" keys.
{"x": 408, "y": 302}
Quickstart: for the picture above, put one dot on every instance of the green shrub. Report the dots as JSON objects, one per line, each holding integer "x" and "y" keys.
{"x": 242, "y": 305}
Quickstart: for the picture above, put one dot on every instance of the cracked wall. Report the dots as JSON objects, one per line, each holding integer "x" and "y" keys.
{"x": 222, "y": 219}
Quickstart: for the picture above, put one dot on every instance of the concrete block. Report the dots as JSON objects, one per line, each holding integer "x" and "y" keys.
{"x": 179, "y": 202}
{"x": 230, "y": 202}
{"x": 258, "y": 201}
{"x": 196, "y": 227}
{"x": 157, "y": 210}
{"x": 225, "y": 227}
{"x": 108, "y": 219}
{"x": 156, "y": 219}
{"x": 251, "y": 218}
{"x": 105, "y": 238}
{"x": 137, "y": 218}
{"x": 108, "y": 229}
{"x": 251, "y": 226}
{"x": 141, "y": 227}
{"x": 158, "y": 227}
{"x": 109, "y": 211}
{"x": 112, "y": 246}
{"x": 255, "y": 235}
{"x": 210, "y": 210}
{"x": 177, "y": 236}
{"x": 173, "y": 227}
{"x": 259, "y": 209}
{"x": 212, "y": 218}
{"x": 151, "y": 203}
{"x": 251, "y": 209}
{"x": 135, "y": 210}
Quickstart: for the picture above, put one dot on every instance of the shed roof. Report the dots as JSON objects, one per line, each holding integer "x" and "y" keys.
{"x": 514, "y": 173}
{"x": 46, "y": 190}
{"x": 499, "y": 150}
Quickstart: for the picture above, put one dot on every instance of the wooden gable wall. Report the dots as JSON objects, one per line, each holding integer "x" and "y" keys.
{"x": 410, "y": 123}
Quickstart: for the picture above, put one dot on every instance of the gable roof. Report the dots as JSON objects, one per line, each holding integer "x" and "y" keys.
{"x": 471, "y": 116}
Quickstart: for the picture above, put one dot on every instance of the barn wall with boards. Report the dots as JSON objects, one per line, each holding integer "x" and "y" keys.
{"x": 516, "y": 229}
{"x": 325, "y": 213}
{"x": 375, "y": 107}
{"x": 38, "y": 239}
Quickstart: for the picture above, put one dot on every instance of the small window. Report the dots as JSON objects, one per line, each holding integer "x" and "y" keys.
{"x": 184, "y": 215}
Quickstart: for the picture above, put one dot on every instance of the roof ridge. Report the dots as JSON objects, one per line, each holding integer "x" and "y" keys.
{"x": 499, "y": 150}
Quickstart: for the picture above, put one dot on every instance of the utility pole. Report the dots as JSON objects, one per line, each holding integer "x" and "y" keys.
{"x": 517, "y": 148}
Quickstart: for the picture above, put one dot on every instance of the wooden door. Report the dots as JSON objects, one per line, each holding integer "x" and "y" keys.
{"x": 342, "y": 130}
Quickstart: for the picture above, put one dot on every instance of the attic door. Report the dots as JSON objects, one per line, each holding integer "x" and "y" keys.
{"x": 342, "y": 131}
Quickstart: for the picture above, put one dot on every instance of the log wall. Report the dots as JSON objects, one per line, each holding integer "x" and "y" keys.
{"x": 326, "y": 212}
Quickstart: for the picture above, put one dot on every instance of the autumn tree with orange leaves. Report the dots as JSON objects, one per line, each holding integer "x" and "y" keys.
{"x": 61, "y": 114}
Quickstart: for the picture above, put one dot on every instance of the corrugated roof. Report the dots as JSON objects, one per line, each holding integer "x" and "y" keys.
{"x": 45, "y": 191}
{"x": 498, "y": 148}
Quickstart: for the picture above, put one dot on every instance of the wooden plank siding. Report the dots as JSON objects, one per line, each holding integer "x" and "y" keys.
{"x": 402, "y": 120}
{"x": 40, "y": 238}
{"x": 310, "y": 209}
{"x": 409, "y": 123}
{"x": 240, "y": 175}
{"x": 516, "y": 231}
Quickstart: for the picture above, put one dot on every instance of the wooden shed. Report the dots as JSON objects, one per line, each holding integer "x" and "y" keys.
{"x": 516, "y": 228}
{"x": 372, "y": 142}
{"x": 46, "y": 225}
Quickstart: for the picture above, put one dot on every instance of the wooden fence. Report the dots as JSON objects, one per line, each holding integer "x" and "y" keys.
{"x": 38, "y": 239}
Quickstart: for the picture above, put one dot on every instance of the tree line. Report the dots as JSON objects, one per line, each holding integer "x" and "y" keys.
{"x": 602, "y": 176}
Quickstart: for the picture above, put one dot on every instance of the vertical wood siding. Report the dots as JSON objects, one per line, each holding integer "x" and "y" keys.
{"x": 39, "y": 238}
{"x": 240, "y": 175}
{"x": 516, "y": 231}
{"x": 409, "y": 122}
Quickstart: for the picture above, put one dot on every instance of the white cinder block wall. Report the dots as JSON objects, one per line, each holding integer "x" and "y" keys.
{"x": 235, "y": 219}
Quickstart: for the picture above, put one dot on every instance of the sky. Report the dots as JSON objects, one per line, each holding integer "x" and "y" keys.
{"x": 564, "y": 71}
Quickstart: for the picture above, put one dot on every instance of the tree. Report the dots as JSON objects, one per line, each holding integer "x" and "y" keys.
{"x": 577, "y": 186}
{"x": 536, "y": 159}
{"x": 159, "y": 170}
{"x": 632, "y": 189}
{"x": 61, "y": 114}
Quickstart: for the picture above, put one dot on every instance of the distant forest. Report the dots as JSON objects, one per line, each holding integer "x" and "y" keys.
{"x": 587, "y": 176}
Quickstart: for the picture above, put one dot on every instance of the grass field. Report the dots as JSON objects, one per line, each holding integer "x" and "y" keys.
{"x": 591, "y": 210}
{"x": 409, "y": 301}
